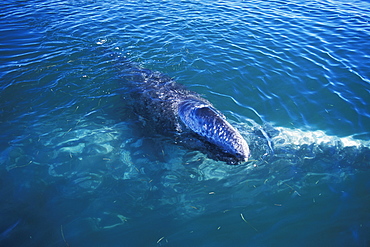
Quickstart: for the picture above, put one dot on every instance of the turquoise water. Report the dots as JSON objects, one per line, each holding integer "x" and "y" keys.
{"x": 78, "y": 169}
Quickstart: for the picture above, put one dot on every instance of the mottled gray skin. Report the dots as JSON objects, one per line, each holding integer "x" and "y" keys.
{"x": 207, "y": 122}
{"x": 174, "y": 109}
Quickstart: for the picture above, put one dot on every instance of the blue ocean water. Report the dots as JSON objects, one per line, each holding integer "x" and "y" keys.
{"x": 78, "y": 169}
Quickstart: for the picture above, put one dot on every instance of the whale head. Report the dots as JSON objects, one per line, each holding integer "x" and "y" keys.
{"x": 203, "y": 119}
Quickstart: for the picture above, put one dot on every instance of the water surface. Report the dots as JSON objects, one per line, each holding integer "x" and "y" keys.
{"x": 76, "y": 168}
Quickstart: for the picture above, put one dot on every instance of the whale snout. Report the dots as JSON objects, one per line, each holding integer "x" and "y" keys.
{"x": 240, "y": 146}
{"x": 210, "y": 124}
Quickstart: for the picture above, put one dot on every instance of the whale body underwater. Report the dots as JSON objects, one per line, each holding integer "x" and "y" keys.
{"x": 192, "y": 121}
{"x": 173, "y": 109}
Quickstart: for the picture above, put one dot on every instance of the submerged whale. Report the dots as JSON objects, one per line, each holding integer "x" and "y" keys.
{"x": 172, "y": 109}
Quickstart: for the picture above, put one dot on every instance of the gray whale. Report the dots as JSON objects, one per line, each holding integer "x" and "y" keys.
{"x": 172, "y": 109}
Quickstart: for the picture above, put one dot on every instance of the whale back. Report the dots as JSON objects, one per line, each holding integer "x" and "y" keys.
{"x": 169, "y": 108}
